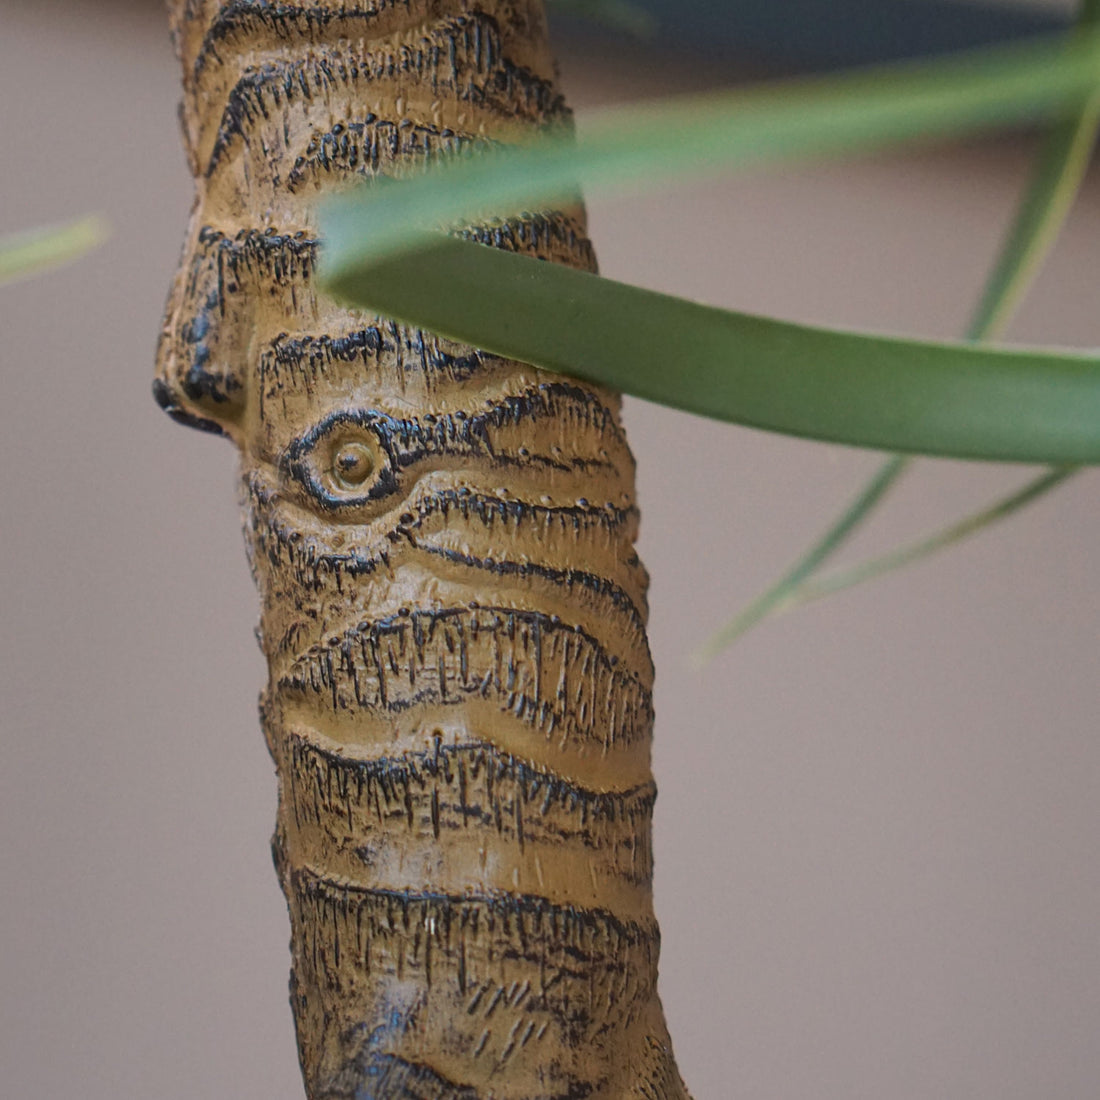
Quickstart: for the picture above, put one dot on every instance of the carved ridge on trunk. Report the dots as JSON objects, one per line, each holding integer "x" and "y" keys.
{"x": 459, "y": 702}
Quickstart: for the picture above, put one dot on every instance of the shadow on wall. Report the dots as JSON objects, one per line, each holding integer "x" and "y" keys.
{"x": 826, "y": 34}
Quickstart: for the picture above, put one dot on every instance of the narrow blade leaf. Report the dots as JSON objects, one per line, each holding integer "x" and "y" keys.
{"x": 817, "y": 587}
{"x": 1056, "y": 180}
{"x": 22, "y": 254}
{"x": 787, "y": 588}
{"x": 956, "y": 400}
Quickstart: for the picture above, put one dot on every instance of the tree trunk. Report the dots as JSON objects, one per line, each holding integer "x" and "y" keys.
{"x": 459, "y": 703}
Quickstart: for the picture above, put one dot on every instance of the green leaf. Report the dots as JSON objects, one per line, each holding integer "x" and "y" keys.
{"x": 1059, "y": 172}
{"x": 646, "y": 146}
{"x": 946, "y": 399}
{"x": 643, "y": 147}
{"x": 817, "y": 587}
{"x": 1056, "y": 180}
{"x": 791, "y": 593}
{"x": 23, "y": 254}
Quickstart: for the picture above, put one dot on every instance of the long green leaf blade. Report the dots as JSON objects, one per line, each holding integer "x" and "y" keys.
{"x": 23, "y": 254}
{"x": 1059, "y": 171}
{"x": 892, "y": 394}
{"x": 642, "y": 147}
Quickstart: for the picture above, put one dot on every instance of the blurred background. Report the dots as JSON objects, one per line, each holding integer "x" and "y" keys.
{"x": 876, "y": 837}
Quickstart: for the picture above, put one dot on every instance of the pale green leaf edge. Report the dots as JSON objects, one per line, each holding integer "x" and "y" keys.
{"x": 25, "y": 253}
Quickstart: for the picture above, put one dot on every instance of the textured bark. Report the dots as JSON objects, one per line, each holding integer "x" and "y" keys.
{"x": 459, "y": 703}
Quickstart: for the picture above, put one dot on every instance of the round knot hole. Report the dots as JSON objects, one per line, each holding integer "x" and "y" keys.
{"x": 352, "y": 464}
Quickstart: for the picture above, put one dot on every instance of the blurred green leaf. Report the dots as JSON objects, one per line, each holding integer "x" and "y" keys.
{"x": 23, "y": 254}
{"x": 642, "y": 147}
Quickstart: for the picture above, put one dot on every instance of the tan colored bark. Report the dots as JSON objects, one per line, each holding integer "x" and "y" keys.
{"x": 459, "y": 703}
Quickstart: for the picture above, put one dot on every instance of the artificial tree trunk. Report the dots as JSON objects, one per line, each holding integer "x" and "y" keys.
{"x": 459, "y": 703}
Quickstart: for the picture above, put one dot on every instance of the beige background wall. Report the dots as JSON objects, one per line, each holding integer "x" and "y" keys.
{"x": 877, "y": 832}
